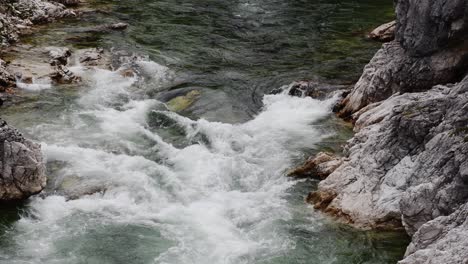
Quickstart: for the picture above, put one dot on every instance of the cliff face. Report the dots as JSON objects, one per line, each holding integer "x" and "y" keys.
{"x": 407, "y": 165}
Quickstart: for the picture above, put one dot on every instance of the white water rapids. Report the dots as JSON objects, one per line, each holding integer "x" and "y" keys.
{"x": 217, "y": 199}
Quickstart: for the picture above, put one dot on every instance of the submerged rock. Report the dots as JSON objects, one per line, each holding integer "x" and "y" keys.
{"x": 180, "y": 103}
{"x": 384, "y": 33}
{"x": 21, "y": 164}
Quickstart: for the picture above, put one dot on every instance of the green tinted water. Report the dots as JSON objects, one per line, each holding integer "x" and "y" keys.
{"x": 231, "y": 53}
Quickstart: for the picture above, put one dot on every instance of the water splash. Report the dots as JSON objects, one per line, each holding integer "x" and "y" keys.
{"x": 215, "y": 200}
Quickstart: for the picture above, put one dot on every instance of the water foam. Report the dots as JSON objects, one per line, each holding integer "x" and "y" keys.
{"x": 212, "y": 202}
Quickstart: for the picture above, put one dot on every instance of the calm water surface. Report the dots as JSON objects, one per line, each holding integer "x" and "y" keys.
{"x": 133, "y": 182}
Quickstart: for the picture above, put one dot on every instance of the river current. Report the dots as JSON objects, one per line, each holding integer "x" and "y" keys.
{"x": 200, "y": 179}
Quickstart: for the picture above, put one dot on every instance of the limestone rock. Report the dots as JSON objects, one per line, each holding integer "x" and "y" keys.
{"x": 407, "y": 162}
{"x": 392, "y": 70}
{"x": 17, "y": 17}
{"x": 442, "y": 240}
{"x": 430, "y": 49}
{"x": 22, "y": 166}
{"x": 63, "y": 75}
{"x": 39, "y": 11}
{"x": 322, "y": 165}
{"x": 58, "y": 55}
{"x": 384, "y": 33}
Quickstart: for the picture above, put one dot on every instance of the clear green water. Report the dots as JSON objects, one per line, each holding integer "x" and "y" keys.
{"x": 208, "y": 190}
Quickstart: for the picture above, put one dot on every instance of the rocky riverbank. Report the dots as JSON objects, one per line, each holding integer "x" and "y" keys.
{"x": 21, "y": 164}
{"x": 407, "y": 165}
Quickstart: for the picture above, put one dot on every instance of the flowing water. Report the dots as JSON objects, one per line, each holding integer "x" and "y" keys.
{"x": 132, "y": 182}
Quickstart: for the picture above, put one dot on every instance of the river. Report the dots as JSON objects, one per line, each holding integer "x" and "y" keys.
{"x": 204, "y": 183}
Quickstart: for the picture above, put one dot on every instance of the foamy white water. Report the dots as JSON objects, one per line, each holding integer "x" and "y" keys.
{"x": 216, "y": 200}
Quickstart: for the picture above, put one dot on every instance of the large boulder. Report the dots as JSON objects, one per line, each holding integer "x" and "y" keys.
{"x": 21, "y": 165}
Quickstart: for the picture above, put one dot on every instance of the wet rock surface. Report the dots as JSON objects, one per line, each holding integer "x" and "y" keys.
{"x": 384, "y": 33}
{"x": 314, "y": 89}
{"x": 320, "y": 166}
{"x": 407, "y": 161}
{"x": 392, "y": 71}
{"x": 407, "y": 165}
{"x": 21, "y": 164}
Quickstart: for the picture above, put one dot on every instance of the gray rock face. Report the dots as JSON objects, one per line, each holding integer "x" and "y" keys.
{"x": 392, "y": 71}
{"x": 442, "y": 240}
{"x": 21, "y": 164}
{"x": 430, "y": 49}
{"x": 425, "y": 27}
{"x": 407, "y": 163}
